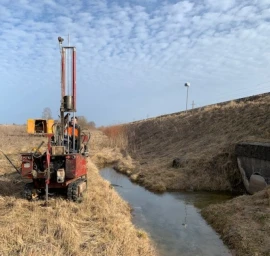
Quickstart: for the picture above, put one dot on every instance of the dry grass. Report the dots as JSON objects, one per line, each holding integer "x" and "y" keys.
{"x": 112, "y": 151}
{"x": 101, "y": 225}
{"x": 204, "y": 140}
{"x": 243, "y": 223}
{"x": 117, "y": 136}
{"x": 14, "y": 139}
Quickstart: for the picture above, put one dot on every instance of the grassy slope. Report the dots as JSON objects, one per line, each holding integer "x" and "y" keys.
{"x": 205, "y": 142}
{"x": 101, "y": 225}
{"x": 244, "y": 223}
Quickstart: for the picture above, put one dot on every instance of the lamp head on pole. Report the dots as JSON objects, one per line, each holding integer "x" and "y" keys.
{"x": 60, "y": 40}
{"x": 187, "y": 84}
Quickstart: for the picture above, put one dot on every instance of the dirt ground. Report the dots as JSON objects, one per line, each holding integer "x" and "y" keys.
{"x": 100, "y": 225}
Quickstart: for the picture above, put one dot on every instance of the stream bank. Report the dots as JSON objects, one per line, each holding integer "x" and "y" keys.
{"x": 172, "y": 220}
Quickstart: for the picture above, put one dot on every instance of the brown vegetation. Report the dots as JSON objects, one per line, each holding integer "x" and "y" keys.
{"x": 243, "y": 223}
{"x": 109, "y": 149}
{"x": 203, "y": 140}
{"x": 100, "y": 225}
{"x": 117, "y": 136}
{"x": 84, "y": 124}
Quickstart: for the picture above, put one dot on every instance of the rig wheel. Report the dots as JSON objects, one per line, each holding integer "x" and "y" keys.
{"x": 75, "y": 190}
{"x": 30, "y": 192}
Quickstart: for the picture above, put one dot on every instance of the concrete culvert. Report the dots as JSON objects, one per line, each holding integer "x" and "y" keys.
{"x": 256, "y": 183}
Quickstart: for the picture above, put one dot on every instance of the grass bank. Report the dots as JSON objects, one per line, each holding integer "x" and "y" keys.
{"x": 243, "y": 223}
{"x": 204, "y": 141}
{"x": 101, "y": 225}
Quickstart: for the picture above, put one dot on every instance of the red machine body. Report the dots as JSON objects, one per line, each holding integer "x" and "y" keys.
{"x": 74, "y": 166}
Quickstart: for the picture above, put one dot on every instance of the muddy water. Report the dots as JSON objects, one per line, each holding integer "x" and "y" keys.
{"x": 172, "y": 220}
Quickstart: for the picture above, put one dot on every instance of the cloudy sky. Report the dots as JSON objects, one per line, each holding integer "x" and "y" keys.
{"x": 134, "y": 56}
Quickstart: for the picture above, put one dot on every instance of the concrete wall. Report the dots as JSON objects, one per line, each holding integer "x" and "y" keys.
{"x": 253, "y": 160}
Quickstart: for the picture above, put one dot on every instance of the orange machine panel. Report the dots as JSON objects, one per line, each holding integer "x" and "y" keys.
{"x": 40, "y": 126}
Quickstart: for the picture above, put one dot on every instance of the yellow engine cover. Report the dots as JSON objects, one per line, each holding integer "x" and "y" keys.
{"x": 40, "y": 126}
{"x": 50, "y": 123}
{"x": 31, "y": 126}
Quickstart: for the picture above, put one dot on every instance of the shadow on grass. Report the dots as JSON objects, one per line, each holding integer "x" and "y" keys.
{"x": 11, "y": 184}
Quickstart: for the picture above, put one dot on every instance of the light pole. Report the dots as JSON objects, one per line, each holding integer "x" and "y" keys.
{"x": 187, "y": 85}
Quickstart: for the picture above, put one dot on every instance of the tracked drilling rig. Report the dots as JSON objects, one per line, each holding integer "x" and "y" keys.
{"x": 62, "y": 167}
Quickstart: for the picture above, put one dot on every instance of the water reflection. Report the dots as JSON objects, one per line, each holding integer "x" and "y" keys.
{"x": 171, "y": 219}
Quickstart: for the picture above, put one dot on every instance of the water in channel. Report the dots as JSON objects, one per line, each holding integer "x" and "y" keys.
{"x": 172, "y": 220}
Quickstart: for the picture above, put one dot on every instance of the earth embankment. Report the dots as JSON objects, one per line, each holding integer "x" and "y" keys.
{"x": 204, "y": 142}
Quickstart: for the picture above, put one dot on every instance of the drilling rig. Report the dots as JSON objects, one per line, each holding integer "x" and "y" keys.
{"x": 63, "y": 164}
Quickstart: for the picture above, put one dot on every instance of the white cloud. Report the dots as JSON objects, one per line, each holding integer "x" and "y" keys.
{"x": 220, "y": 5}
{"x": 147, "y": 48}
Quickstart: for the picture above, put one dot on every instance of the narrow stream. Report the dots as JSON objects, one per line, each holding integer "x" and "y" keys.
{"x": 171, "y": 219}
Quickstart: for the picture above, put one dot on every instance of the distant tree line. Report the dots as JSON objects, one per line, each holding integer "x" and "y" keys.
{"x": 86, "y": 124}
{"x": 47, "y": 113}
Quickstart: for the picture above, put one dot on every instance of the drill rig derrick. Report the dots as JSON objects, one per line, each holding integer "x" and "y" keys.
{"x": 63, "y": 165}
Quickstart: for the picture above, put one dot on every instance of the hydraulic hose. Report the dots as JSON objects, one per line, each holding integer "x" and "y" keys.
{"x": 18, "y": 171}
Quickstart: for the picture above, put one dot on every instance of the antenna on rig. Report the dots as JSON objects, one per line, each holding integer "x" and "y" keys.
{"x": 60, "y": 40}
